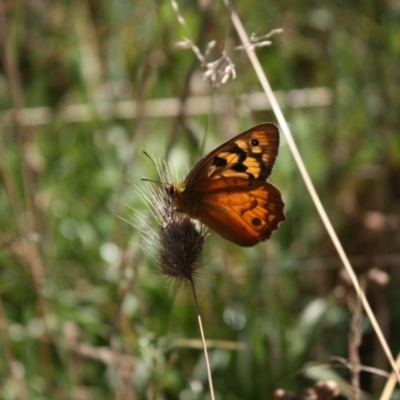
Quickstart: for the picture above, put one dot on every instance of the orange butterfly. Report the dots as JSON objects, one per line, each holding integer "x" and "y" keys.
{"x": 227, "y": 190}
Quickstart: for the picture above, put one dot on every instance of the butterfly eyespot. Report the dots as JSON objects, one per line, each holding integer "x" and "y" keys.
{"x": 256, "y": 221}
{"x": 255, "y": 142}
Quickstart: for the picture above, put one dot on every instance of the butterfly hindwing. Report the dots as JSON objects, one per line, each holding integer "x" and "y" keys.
{"x": 242, "y": 211}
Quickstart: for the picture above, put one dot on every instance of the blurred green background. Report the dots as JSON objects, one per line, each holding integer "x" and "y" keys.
{"x": 84, "y": 312}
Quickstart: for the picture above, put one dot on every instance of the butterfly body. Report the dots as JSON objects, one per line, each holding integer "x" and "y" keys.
{"x": 227, "y": 190}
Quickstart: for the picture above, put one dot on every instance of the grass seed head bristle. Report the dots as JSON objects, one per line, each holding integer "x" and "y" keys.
{"x": 180, "y": 240}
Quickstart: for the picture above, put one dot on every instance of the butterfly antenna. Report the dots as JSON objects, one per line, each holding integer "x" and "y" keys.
{"x": 147, "y": 154}
{"x": 153, "y": 181}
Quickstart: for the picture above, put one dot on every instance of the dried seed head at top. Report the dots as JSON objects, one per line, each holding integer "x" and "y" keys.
{"x": 182, "y": 241}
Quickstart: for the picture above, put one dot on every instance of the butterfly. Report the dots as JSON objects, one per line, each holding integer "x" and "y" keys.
{"x": 227, "y": 190}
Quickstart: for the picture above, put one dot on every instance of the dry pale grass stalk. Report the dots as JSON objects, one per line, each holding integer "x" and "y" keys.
{"x": 307, "y": 180}
{"x": 391, "y": 383}
{"x": 159, "y": 108}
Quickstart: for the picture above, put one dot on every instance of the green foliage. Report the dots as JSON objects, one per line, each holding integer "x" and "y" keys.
{"x": 84, "y": 310}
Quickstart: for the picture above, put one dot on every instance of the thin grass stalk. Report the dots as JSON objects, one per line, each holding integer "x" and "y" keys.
{"x": 178, "y": 241}
{"x": 307, "y": 180}
{"x": 355, "y": 339}
{"x": 209, "y": 375}
{"x": 390, "y": 383}
{"x": 30, "y": 223}
{"x": 18, "y": 384}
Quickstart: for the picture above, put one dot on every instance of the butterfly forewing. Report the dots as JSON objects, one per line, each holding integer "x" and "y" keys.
{"x": 250, "y": 155}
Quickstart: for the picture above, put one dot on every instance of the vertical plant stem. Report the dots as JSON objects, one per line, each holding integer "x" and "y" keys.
{"x": 210, "y": 382}
{"x": 26, "y": 220}
{"x": 355, "y": 339}
{"x": 307, "y": 180}
{"x": 390, "y": 383}
{"x": 18, "y": 383}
